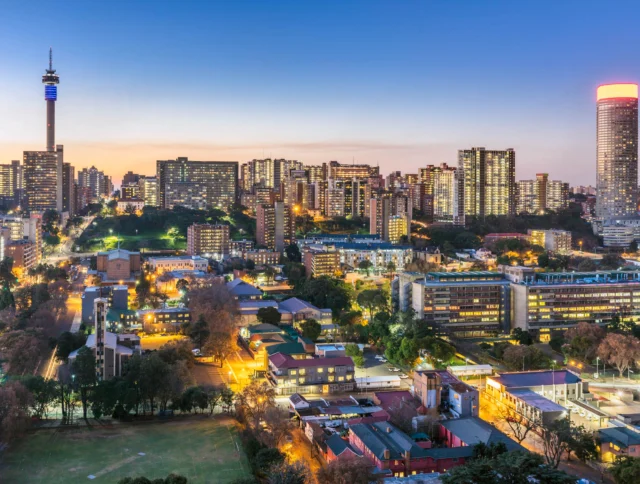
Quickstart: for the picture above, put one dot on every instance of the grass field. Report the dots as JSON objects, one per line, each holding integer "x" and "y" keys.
{"x": 204, "y": 450}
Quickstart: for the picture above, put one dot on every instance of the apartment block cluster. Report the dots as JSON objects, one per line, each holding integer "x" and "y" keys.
{"x": 484, "y": 303}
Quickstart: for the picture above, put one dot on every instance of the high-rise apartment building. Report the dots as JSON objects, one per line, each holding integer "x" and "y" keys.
{"x": 339, "y": 171}
{"x": 130, "y": 178}
{"x": 42, "y": 181}
{"x": 275, "y": 226}
{"x": 98, "y": 183}
{"x": 321, "y": 262}
{"x": 68, "y": 189}
{"x": 197, "y": 184}
{"x": 489, "y": 185}
{"x": 385, "y": 214}
{"x": 445, "y": 184}
{"x": 148, "y": 190}
{"x": 281, "y": 170}
{"x": 210, "y": 240}
{"x": 616, "y": 150}
{"x": 130, "y": 190}
{"x": 334, "y": 199}
{"x": 536, "y": 196}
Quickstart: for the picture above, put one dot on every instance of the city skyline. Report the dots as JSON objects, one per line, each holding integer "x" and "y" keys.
{"x": 387, "y": 86}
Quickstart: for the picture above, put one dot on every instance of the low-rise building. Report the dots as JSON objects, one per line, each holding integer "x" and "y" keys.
{"x": 380, "y": 255}
{"x": 126, "y": 205}
{"x": 394, "y": 453}
{"x": 243, "y": 291}
{"x": 238, "y": 247}
{"x": 321, "y": 262}
{"x": 317, "y": 375}
{"x": 402, "y": 289}
{"x": 164, "y": 320}
{"x": 178, "y": 263}
{"x": 471, "y": 431}
{"x": 551, "y": 240}
{"x": 617, "y": 442}
{"x": 619, "y": 236}
{"x": 441, "y": 390}
{"x": 262, "y": 256}
{"x": 118, "y": 264}
{"x": 535, "y": 394}
{"x": 117, "y": 298}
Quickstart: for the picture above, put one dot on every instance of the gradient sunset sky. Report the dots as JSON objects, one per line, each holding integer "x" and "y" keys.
{"x": 399, "y": 83}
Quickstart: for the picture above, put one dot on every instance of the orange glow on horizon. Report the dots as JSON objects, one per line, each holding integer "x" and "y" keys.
{"x": 610, "y": 91}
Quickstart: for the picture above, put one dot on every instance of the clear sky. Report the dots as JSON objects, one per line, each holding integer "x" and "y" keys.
{"x": 399, "y": 83}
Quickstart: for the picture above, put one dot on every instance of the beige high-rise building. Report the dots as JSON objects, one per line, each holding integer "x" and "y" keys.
{"x": 444, "y": 188}
{"x": 385, "y": 214}
{"x": 536, "y": 196}
{"x": 207, "y": 239}
{"x": 489, "y": 185}
{"x": 616, "y": 150}
{"x": 43, "y": 180}
{"x": 275, "y": 226}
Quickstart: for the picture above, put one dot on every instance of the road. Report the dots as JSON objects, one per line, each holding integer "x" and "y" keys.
{"x": 155, "y": 341}
{"x": 65, "y": 250}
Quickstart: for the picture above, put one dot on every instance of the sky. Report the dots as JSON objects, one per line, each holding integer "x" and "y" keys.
{"x": 401, "y": 83}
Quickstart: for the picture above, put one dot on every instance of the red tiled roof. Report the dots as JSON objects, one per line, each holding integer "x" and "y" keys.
{"x": 285, "y": 361}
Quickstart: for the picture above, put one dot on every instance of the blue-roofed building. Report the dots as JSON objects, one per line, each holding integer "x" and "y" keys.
{"x": 617, "y": 442}
{"x": 537, "y": 394}
{"x": 394, "y": 453}
{"x": 470, "y": 431}
{"x": 243, "y": 291}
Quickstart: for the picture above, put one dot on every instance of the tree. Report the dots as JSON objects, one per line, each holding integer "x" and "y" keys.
{"x": 611, "y": 262}
{"x": 348, "y": 470}
{"x": 619, "y": 325}
{"x": 311, "y": 329}
{"x": 265, "y": 459}
{"x": 356, "y": 355}
{"x": 372, "y": 299}
{"x": 543, "y": 260}
{"x": 7, "y": 277}
{"x": 619, "y": 350}
{"x": 68, "y": 342}
{"x": 277, "y": 424}
{"x": 285, "y": 473}
{"x": 517, "y": 357}
{"x": 556, "y": 440}
{"x": 153, "y": 378}
{"x": 365, "y": 265}
{"x": 43, "y": 392}
{"x": 198, "y": 331}
{"x": 6, "y": 297}
{"x": 182, "y": 285}
{"x": 507, "y": 468}
{"x": 269, "y": 315}
{"x": 22, "y": 350}
{"x": 583, "y": 444}
{"x": 223, "y": 337}
{"x": 254, "y": 400}
{"x": 587, "y": 265}
{"x": 293, "y": 252}
{"x": 84, "y": 373}
{"x": 170, "y": 479}
{"x": 582, "y": 340}
{"x": 626, "y": 470}
{"x": 519, "y": 425}
{"x": 522, "y": 337}
{"x": 327, "y": 292}
{"x": 633, "y": 246}
{"x": 14, "y": 419}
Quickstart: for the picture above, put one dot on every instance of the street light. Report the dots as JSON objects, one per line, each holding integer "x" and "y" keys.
{"x": 597, "y": 360}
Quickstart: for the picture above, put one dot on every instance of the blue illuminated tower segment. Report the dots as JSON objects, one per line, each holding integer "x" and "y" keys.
{"x": 51, "y": 81}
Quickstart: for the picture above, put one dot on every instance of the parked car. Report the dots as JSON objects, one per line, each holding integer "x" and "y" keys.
{"x": 403, "y": 376}
{"x": 393, "y": 368}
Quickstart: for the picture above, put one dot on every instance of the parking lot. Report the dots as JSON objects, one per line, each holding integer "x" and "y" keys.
{"x": 376, "y": 367}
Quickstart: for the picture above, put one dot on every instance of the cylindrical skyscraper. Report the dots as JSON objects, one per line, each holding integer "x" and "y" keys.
{"x": 617, "y": 151}
{"x": 51, "y": 81}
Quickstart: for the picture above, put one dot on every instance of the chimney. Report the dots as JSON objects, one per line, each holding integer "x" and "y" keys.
{"x": 388, "y": 429}
{"x": 387, "y": 454}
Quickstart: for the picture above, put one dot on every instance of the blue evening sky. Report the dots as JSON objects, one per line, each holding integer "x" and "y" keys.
{"x": 399, "y": 83}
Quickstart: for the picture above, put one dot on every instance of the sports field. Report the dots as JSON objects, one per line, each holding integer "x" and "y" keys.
{"x": 204, "y": 450}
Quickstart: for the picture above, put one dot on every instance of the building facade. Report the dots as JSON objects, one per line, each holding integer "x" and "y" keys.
{"x": 196, "y": 184}
{"x": 616, "y": 150}
{"x": 208, "y": 239}
{"x": 489, "y": 186}
{"x": 321, "y": 262}
{"x": 464, "y": 303}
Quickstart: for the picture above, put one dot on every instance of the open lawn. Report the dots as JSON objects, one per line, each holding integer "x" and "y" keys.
{"x": 205, "y": 450}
